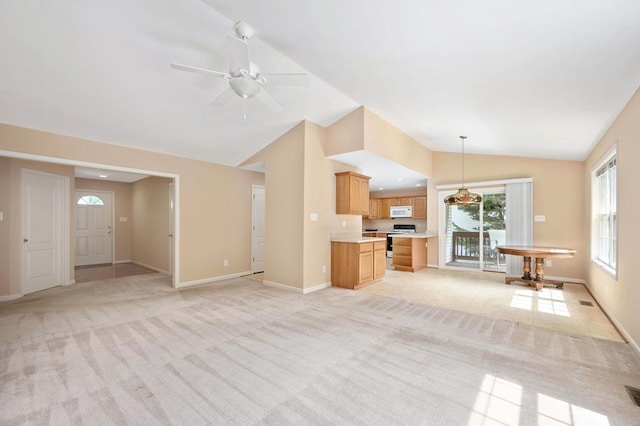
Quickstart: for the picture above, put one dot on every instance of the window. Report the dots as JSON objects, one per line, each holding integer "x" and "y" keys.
{"x": 604, "y": 211}
{"x": 90, "y": 200}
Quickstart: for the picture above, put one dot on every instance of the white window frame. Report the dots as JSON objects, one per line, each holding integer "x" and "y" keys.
{"x": 610, "y": 266}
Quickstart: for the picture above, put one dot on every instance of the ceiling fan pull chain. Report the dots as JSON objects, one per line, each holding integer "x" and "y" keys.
{"x": 244, "y": 100}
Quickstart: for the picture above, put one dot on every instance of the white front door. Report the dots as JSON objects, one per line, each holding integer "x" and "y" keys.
{"x": 44, "y": 232}
{"x": 257, "y": 235}
{"x": 94, "y": 236}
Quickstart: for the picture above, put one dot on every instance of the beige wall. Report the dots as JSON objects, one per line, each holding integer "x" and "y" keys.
{"x": 284, "y": 207}
{"x": 151, "y": 228}
{"x": 214, "y": 206}
{"x": 122, "y": 201}
{"x": 558, "y": 194}
{"x": 621, "y": 296}
{"x": 300, "y": 180}
{"x": 387, "y": 141}
{"x": 346, "y": 134}
{"x": 363, "y": 130}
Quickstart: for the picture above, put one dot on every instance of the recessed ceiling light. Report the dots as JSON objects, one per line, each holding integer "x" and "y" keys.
{"x": 380, "y": 189}
{"x": 418, "y": 184}
{"x": 102, "y": 176}
{"x": 399, "y": 179}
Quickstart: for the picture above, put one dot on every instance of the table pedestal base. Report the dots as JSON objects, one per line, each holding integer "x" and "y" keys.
{"x": 538, "y": 282}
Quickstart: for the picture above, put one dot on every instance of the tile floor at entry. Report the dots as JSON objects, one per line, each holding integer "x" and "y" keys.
{"x": 485, "y": 293}
{"x": 105, "y": 271}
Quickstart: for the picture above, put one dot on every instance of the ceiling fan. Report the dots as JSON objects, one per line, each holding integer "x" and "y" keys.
{"x": 244, "y": 77}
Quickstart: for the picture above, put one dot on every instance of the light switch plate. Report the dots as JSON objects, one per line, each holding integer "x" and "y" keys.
{"x": 124, "y": 219}
{"x": 314, "y": 217}
{"x": 1, "y": 216}
{"x": 539, "y": 218}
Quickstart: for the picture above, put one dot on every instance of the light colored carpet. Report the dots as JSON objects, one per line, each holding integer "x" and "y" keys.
{"x": 135, "y": 351}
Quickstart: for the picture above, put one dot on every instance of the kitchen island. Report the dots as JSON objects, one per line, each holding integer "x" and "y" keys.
{"x": 357, "y": 261}
{"x": 410, "y": 251}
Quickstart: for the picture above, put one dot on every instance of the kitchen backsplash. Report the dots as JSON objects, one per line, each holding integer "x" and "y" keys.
{"x": 387, "y": 224}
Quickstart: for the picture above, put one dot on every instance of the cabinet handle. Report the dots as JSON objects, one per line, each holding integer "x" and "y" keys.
{"x": 25, "y": 240}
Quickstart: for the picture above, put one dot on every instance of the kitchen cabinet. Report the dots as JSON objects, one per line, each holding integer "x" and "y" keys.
{"x": 352, "y": 193}
{"x": 409, "y": 253}
{"x": 418, "y": 204}
{"x": 374, "y": 208}
{"x": 356, "y": 264}
{"x": 419, "y": 210}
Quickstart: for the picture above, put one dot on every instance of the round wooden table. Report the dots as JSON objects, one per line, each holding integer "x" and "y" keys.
{"x": 540, "y": 254}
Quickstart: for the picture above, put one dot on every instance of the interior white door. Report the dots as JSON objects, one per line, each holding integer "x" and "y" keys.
{"x": 257, "y": 235}
{"x": 42, "y": 227}
{"x": 94, "y": 236}
{"x": 172, "y": 219}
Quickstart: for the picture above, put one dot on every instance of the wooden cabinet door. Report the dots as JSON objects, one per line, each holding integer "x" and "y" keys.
{"x": 374, "y": 208}
{"x": 365, "y": 270}
{"x": 419, "y": 208}
{"x": 394, "y": 202}
{"x": 405, "y": 201}
{"x": 379, "y": 263}
{"x": 384, "y": 208}
{"x": 363, "y": 196}
{"x": 352, "y": 193}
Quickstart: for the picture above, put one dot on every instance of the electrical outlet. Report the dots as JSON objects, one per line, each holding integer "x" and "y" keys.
{"x": 324, "y": 269}
{"x": 344, "y": 223}
{"x": 548, "y": 263}
{"x": 226, "y": 262}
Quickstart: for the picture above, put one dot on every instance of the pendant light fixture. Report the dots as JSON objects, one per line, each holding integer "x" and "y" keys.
{"x": 463, "y": 196}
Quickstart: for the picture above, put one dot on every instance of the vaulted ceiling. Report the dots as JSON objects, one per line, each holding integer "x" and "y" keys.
{"x": 540, "y": 79}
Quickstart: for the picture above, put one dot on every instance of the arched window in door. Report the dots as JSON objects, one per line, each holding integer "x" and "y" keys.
{"x": 90, "y": 200}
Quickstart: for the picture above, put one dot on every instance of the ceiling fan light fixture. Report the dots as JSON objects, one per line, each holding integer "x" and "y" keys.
{"x": 463, "y": 196}
{"x": 244, "y": 87}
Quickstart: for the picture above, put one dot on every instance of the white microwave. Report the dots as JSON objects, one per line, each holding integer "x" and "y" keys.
{"x": 400, "y": 211}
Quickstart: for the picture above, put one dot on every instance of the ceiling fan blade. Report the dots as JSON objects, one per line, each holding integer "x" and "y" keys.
{"x": 239, "y": 54}
{"x": 269, "y": 100}
{"x": 199, "y": 70}
{"x": 223, "y": 98}
{"x": 293, "y": 79}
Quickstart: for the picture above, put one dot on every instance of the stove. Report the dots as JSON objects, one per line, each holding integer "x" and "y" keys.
{"x": 398, "y": 229}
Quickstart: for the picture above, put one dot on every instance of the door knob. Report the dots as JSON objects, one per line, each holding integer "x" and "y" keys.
{"x": 25, "y": 240}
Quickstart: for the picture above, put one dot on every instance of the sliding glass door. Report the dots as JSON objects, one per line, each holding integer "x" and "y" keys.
{"x": 473, "y": 232}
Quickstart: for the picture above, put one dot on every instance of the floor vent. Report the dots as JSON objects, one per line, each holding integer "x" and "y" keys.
{"x": 634, "y": 393}
{"x": 586, "y": 303}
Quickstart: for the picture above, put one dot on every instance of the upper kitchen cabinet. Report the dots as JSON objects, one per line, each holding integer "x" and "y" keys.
{"x": 419, "y": 210}
{"x": 375, "y": 204}
{"x": 352, "y": 193}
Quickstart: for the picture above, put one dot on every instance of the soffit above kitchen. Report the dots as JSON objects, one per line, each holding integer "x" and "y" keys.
{"x": 539, "y": 79}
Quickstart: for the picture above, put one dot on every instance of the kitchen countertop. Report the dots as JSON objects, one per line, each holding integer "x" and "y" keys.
{"x": 357, "y": 240}
{"x": 416, "y": 235}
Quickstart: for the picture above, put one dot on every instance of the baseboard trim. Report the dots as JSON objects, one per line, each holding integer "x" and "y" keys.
{"x": 153, "y": 268}
{"x": 282, "y": 286}
{"x": 316, "y": 288}
{"x": 212, "y": 279}
{"x": 10, "y": 297}
{"x": 431, "y": 265}
{"x": 124, "y": 261}
{"x": 625, "y": 335}
{"x": 567, "y": 280}
{"x": 70, "y": 282}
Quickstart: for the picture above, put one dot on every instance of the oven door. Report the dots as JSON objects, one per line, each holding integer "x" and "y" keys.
{"x": 390, "y": 243}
